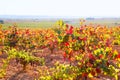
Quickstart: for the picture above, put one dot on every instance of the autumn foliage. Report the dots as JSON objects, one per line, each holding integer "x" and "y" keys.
{"x": 89, "y": 49}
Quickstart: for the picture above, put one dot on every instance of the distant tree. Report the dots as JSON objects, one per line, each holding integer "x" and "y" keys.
{"x": 1, "y": 21}
{"x": 90, "y": 18}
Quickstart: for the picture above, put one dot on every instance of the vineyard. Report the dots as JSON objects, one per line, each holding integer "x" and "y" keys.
{"x": 63, "y": 52}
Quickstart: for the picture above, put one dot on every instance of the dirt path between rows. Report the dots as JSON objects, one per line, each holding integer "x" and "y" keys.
{"x": 14, "y": 70}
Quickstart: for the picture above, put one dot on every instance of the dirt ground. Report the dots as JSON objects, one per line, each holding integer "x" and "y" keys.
{"x": 14, "y": 70}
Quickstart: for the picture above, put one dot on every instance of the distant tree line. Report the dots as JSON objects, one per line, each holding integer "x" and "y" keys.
{"x": 90, "y": 18}
{"x": 1, "y": 21}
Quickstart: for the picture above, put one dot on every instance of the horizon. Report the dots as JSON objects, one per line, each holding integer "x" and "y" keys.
{"x": 47, "y": 16}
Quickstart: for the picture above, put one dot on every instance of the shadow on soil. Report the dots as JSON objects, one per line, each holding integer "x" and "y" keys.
{"x": 21, "y": 75}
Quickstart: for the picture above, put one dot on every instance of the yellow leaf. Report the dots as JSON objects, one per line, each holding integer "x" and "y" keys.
{"x": 106, "y": 36}
{"x": 116, "y": 77}
{"x": 115, "y": 53}
{"x": 90, "y": 75}
{"x": 119, "y": 65}
{"x": 105, "y": 73}
{"x": 0, "y": 53}
{"x": 0, "y": 26}
{"x": 116, "y": 70}
{"x": 82, "y": 43}
{"x": 81, "y": 23}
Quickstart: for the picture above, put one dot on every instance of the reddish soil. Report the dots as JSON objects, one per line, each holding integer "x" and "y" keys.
{"x": 14, "y": 70}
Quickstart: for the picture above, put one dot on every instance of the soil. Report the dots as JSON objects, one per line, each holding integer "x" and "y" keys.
{"x": 14, "y": 70}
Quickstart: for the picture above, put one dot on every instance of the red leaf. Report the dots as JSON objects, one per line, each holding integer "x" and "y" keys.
{"x": 64, "y": 55}
{"x": 16, "y": 33}
{"x": 91, "y": 56}
{"x": 84, "y": 74}
{"x": 108, "y": 63}
{"x": 93, "y": 73}
{"x": 66, "y": 44}
{"x": 84, "y": 39}
{"x": 101, "y": 56}
{"x": 27, "y": 31}
{"x": 118, "y": 56}
{"x": 70, "y": 31}
{"x": 98, "y": 70}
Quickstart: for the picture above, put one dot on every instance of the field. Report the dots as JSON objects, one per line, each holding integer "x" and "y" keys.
{"x": 29, "y": 24}
{"x": 60, "y": 50}
{"x": 47, "y": 23}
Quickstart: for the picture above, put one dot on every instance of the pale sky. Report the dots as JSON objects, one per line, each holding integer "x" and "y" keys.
{"x": 80, "y": 8}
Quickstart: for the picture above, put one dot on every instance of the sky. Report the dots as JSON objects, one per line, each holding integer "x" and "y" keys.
{"x": 76, "y": 8}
